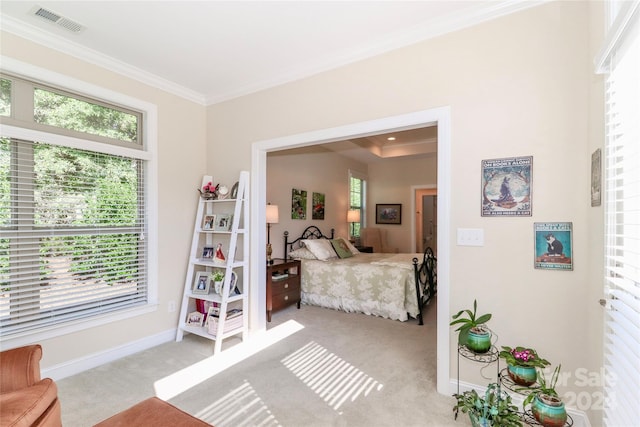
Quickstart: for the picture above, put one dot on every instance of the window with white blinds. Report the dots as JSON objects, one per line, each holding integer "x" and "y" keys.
{"x": 621, "y": 61}
{"x": 72, "y": 220}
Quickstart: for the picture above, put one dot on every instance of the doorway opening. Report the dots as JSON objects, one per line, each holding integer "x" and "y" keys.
{"x": 439, "y": 117}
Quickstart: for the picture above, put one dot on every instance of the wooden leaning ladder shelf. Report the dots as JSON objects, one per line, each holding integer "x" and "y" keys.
{"x": 235, "y": 238}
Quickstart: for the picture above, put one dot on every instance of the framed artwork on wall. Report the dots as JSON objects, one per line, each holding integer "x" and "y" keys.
{"x": 298, "y": 204}
{"x": 389, "y": 213}
{"x": 596, "y": 178}
{"x": 317, "y": 211}
{"x": 506, "y": 186}
{"x": 553, "y": 245}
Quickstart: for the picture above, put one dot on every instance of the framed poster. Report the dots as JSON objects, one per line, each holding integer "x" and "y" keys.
{"x": 318, "y": 206}
{"x": 553, "y": 245}
{"x": 506, "y": 186}
{"x": 596, "y": 178}
{"x": 389, "y": 213}
{"x": 298, "y": 204}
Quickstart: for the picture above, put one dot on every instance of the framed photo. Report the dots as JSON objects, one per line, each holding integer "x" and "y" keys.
{"x": 298, "y": 204}
{"x": 212, "y": 312}
{"x": 201, "y": 284}
{"x": 553, "y": 245}
{"x": 207, "y": 252}
{"x": 208, "y": 222}
{"x": 506, "y": 186}
{"x": 596, "y": 178}
{"x": 195, "y": 318}
{"x": 317, "y": 211}
{"x": 388, "y": 213}
{"x": 234, "y": 191}
{"x": 223, "y": 222}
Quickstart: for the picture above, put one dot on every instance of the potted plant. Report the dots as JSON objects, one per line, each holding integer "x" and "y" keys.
{"x": 473, "y": 333}
{"x": 522, "y": 363}
{"x": 217, "y": 276}
{"x": 546, "y": 405}
{"x": 494, "y": 409}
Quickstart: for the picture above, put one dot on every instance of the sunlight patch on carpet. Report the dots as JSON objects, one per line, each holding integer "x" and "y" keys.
{"x": 240, "y": 407}
{"x": 335, "y": 380}
{"x": 180, "y": 381}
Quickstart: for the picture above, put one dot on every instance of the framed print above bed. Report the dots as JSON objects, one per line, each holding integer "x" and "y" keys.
{"x": 389, "y": 213}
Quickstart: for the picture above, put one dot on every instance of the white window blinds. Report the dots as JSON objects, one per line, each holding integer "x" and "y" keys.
{"x": 621, "y": 60}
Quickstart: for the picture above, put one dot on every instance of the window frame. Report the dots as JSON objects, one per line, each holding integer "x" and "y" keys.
{"x": 147, "y": 151}
{"x": 363, "y": 199}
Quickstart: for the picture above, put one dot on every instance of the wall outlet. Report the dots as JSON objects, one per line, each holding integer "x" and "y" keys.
{"x": 172, "y": 306}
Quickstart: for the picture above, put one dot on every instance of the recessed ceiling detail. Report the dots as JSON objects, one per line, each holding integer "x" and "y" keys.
{"x": 54, "y": 18}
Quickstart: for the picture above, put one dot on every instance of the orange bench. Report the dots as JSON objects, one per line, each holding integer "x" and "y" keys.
{"x": 152, "y": 412}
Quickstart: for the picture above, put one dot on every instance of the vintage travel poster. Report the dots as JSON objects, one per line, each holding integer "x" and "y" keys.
{"x": 506, "y": 186}
{"x": 553, "y": 245}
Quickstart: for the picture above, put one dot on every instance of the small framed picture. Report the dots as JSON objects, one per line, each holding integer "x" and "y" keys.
{"x": 212, "y": 313}
{"x": 195, "y": 318}
{"x": 389, "y": 213}
{"x": 553, "y": 245}
{"x": 207, "y": 252}
{"x": 223, "y": 222}
{"x": 208, "y": 222}
{"x": 201, "y": 284}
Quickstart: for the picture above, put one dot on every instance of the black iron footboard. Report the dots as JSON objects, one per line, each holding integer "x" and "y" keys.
{"x": 426, "y": 279}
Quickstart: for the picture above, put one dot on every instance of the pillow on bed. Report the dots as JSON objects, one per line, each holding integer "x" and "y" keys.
{"x": 302, "y": 253}
{"x": 341, "y": 248}
{"x": 350, "y": 246}
{"x": 321, "y": 248}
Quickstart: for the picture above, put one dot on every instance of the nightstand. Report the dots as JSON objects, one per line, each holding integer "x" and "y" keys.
{"x": 283, "y": 285}
{"x": 365, "y": 249}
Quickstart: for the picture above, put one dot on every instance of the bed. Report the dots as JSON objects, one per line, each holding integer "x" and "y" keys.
{"x": 336, "y": 275}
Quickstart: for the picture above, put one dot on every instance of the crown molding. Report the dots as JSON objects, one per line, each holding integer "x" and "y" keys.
{"x": 83, "y": 53}
{"x": 406, "y": 37}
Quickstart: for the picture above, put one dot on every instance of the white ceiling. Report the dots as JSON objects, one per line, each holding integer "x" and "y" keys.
{"x": 210, "y": 51}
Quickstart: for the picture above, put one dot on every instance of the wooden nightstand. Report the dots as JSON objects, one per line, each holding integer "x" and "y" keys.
{"x": 283, "y": 285}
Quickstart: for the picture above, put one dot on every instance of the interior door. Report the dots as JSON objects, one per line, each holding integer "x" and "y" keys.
{"x": 430, "y": 223}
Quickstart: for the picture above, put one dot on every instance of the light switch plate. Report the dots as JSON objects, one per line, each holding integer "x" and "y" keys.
{"x": 470, "y": 237}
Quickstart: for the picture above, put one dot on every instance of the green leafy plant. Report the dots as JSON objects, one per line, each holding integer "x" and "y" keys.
{"x": 547, "y": 389}
{"x": 522, "y": 356}
{"x": 217, "y": 276}
{"x": 494, "y": 409}
{"x": 472, "y": 322}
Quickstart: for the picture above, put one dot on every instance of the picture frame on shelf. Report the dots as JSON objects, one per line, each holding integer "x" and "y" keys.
{"x": 389, "y": 213}
{"x": 201, "y": 283}
{"x": 223, "y": 222}
{"x": 234, "y": 191}
{"x": 212, "y": 312}
{"x": 207, "y": 253}
{"x": 195, "y": 318}
{"x": 208, "y": 223}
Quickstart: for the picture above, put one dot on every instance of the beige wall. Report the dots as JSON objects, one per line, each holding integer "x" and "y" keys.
{"x": 181, "y": 164}
{"x": 320, "y": 172}
{"x": 518, "y": 85}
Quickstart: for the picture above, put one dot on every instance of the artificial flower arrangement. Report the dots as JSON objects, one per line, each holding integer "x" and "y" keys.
{"x": 209, "y": 191}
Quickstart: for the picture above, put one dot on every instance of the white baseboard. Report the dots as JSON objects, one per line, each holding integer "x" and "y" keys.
{"x": 73, "y": 367}
{"x": 580, "y": 418}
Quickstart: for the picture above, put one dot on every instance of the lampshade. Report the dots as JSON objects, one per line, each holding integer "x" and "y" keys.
{"x": 272, "y": 214}
{"x": 353, "y": 215}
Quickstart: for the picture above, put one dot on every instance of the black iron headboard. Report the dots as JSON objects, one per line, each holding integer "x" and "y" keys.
{"x": 311, "y": 232}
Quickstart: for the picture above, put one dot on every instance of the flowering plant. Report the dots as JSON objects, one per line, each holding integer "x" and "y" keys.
{"x": 209, "y": 191}
{"x": 522, "y": 356}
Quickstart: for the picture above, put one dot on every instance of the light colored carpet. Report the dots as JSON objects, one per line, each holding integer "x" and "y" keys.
{"x": 341, "y": 369}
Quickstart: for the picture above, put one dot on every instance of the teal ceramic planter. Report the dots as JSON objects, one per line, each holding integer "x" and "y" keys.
{"x": 522, "y": 375}
{"x": 479, "y": 342}
{"x": 548, "y": 411}
{"x": 477, "y": 421}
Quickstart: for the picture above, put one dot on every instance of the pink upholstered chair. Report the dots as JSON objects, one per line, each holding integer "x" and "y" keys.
{"x": 25, "y": 398}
